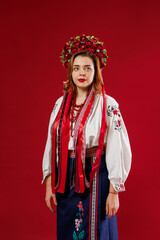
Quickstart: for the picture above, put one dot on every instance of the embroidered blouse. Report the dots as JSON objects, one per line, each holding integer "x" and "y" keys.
{"x": 118, "y": 150}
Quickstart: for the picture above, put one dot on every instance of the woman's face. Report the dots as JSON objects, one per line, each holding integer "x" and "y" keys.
{"x": 83, "y": 72}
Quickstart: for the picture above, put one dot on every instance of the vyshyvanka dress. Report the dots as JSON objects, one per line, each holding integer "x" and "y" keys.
{"x": 83, "y": 215}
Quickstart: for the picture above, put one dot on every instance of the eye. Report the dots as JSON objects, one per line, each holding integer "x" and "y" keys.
{"x": 75, "y": 68}
{"x": 88, "y": 68}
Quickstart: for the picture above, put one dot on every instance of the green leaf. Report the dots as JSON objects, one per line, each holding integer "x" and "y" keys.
{"x": 78, "y": 214}
{"x": 75, "y": 236}
{"x": 81, "y": 234}
{"x": 100, "y": 42}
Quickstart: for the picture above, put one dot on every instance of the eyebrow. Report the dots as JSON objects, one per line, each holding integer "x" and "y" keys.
{"x": 83, "y": 65}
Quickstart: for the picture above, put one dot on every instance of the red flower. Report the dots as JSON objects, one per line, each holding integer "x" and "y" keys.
{"x": 82, "y": 47}
{"x": 99, "y": 54}
{"x": 121, "y": 185}
{"x": 76, "y": 44}
{"x": 80, "y": 205}
{"x": 83, "y": 38}
{"x": 94, "y": 40}
{"x": 90, "y": 49}
{"x": 100, "y": 46}
{"x": 74, "y": 50}
{"x": 119, "y": 123}
{"x": 67, "y": 55}
{"x": 88, "y": 43}
{"x": 115, "y": 112}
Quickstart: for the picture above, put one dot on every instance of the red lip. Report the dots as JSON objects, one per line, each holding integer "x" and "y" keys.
{"x": 81, "y": 80}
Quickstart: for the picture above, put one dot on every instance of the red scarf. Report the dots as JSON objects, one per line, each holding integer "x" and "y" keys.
{"x": 79, "y": 178}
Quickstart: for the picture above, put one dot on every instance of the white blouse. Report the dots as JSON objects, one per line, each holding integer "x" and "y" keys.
{"x": 118, "y": 150}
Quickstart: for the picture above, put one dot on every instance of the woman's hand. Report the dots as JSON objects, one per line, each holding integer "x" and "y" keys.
{"x": 112, "y": 204}
{"x": 50, "y": 195}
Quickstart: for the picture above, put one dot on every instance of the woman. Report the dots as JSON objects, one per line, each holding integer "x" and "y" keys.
{"x": 87, "y": 157}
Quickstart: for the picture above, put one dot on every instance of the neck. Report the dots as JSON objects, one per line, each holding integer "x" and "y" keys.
{"x": 81, "y": 93}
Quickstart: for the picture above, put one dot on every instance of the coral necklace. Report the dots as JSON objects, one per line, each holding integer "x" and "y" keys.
{"x": 77, "y": 108}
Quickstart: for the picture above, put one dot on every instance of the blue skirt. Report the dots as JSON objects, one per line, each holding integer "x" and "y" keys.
{"x": 83, "y": 215}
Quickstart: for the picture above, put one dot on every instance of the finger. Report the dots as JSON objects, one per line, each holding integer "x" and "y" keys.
{"x": 110, "y": 213}
{"x": 49, "y": 205}
{"x": 114, "y": 211}
{"x": 51, "y": 208}
{"x": 107, "y": 209}
{"x": 54, "y": 199}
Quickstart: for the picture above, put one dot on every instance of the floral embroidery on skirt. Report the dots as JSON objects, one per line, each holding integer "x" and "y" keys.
{"x": 79, "y": 233}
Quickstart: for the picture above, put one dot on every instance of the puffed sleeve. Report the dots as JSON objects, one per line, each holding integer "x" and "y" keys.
{"x": 47, "y": 156}
{"x": 118, "y": 149}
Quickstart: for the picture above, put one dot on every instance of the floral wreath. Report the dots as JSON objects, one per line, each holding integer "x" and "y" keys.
{"x": 81, "y": 43}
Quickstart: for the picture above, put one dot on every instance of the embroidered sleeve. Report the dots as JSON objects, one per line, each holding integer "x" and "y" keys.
{"x": 114, "y": 113}
{"x": 47, "y": 156}
{"x": 118, "y": 150}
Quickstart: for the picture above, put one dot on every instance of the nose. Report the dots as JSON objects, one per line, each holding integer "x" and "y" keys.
{"x": 82, "y": 72}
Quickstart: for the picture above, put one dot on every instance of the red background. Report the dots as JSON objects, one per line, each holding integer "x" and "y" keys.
{"x": 33, "y": 34}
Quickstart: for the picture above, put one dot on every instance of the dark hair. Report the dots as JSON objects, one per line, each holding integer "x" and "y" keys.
{"x": 97, "y": 81}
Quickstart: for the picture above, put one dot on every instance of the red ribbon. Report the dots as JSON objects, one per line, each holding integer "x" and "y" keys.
{"x": 54, "y": 149}
{"x": 79, "y": 179}
{"x": 64, "y": 145}
{"x": 101, "y": 140}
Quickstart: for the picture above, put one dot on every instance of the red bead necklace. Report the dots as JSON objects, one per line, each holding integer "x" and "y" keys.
{"x": 77, "y": 108}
